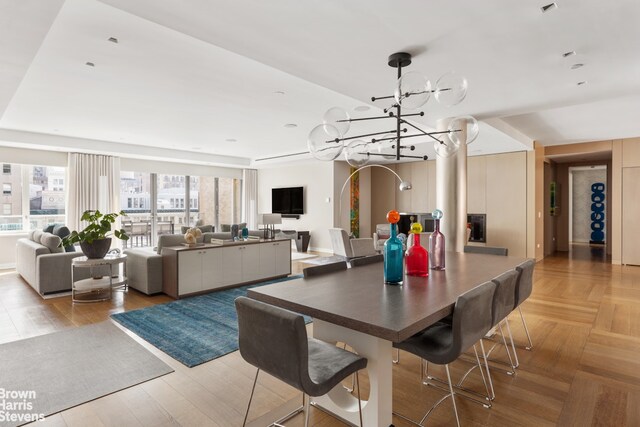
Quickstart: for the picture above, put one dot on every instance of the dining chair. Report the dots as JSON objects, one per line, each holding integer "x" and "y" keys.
{"x": 324, "y": 269}
{"x": 275, "y": 341}
{"x": 372, "y": 259}
{"x": 443, "y": 343}
{"x": 524, "y": 286}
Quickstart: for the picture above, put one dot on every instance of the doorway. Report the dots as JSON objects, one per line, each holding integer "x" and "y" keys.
{"x": 587, "y": 204}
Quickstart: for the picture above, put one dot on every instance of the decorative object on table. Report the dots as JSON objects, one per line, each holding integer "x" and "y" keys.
{"x": 192, "y": 235}
{"x": 412, "y": 90}
{"x": 436, "y": 243}
{"x": 269, "y": 221}
{"x": 393, "y": 263}
{"x": 245, "y": 233}
{"x": 94, "y": 239}
{"x": 234, "y": 232}
{"x": 417, "y": 256}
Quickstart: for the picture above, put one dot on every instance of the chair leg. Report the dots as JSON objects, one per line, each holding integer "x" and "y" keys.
{"x": 526, "y": 330}
{"x": 506, "y": 347}
{"x": 486, "y": 365}
{"x": 484, "y": 380}
{"x": 513, "y": 346}
{"x": 305, "y": 403}
{"x": 246, "y": 414}
{"x": 359, "y": 401}
{"x": 453, "y": 395}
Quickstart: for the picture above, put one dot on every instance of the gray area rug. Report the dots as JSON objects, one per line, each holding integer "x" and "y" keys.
{"x": 54, "y": 372}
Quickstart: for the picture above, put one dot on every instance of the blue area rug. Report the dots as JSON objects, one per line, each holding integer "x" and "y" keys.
{"x": 192, "y": 330}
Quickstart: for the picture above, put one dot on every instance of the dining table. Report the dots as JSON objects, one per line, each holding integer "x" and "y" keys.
{"x": 356, "y": 307}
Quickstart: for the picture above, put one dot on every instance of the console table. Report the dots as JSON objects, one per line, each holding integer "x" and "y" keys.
{"x": 199, "y": 269}
{"x": 99, "y": 288}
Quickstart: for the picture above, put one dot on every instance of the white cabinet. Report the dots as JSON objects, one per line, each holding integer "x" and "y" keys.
{"x": 194, "y": 270}
{"x": 275, "y": 258}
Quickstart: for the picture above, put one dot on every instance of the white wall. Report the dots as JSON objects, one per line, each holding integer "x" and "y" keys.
{"x": 317, "y": 179}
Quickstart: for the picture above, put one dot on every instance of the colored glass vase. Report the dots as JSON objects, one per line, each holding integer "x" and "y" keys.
{"x": 436, "y": 247}
{"x": 245, "y": 233}
{"x": 393, "y": 266}
{"x": 417, "y": 259}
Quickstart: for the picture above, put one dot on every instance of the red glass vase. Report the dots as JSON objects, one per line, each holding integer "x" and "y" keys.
{"x": 417, "y": 259}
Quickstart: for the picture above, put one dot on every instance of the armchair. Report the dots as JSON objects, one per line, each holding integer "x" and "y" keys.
{"x": 350, "y": 248}
{"x": 382, "y": 233}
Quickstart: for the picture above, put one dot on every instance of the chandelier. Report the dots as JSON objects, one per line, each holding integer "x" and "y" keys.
{"x": 412, "y": 90}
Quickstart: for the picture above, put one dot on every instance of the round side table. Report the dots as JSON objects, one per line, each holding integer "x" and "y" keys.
{"x": 100, "y": 288}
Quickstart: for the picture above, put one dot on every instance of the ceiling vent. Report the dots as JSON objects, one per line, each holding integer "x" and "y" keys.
{"x": 582, "y": 83}
{"x": 113, "y": 40}
{"x": 548, "y": 7}
{"x": 576, "y": 66}
{"x": 568, "y": 54}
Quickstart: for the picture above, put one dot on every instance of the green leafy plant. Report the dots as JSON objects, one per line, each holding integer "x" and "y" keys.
{"x": 99, "y": 228}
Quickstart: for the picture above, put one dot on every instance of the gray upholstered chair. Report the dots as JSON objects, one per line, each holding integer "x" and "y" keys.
{"x": 524, "y": 286}
{"x": 324, "y": 269}
{"x": 372, "y": 259}
{"x": 348, "y": 248}
{"x": 488, "y": 250}
{"x": 443, "y": 343}
{"x": 275, "y": 340}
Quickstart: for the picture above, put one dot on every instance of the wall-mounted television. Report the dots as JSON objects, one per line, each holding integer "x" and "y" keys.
{"x": 287, "y": 201}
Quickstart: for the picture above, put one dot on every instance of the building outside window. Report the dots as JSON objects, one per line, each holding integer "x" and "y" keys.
{"x": 6, "y": 189}
{"x": 6, "y": 169}
{"x": 46, "y": 196}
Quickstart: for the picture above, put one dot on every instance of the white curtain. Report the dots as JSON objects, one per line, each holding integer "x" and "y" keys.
{"x": 93, "y": 183}
{"x": 250, "y": 198}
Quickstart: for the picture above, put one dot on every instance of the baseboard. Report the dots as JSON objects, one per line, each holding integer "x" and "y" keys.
{"x": 8, "y": 266}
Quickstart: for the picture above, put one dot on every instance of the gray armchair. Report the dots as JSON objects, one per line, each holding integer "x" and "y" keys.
{"x": 350, "y": 248}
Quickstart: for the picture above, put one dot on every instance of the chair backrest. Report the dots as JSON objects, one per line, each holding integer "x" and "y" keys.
{"x": 488, "y": 250}
{"x": 324, "y": 269}
{"x": 472, "y": 317}
{"x": 505, "y": 296}
{"x": 383, "y": 231}
{"x": 340, "y": 242}
{"x": 524, "y": 284}
{"x": 358, "y": 262}
{"x": 274, "y": 340}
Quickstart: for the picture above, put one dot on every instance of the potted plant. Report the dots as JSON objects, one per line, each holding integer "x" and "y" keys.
{"x": 94, "y": 239}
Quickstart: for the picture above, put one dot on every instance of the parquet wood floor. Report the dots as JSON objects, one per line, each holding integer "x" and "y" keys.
{"x": 584, "y": 370}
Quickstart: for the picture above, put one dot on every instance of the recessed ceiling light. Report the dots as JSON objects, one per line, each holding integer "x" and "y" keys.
{"x": 547, "y": 7}
{"x": 582, "y": 83}
{"x": 113, "y": 40}
{"x": 279, "y": 92}
{"x": 231, "y": 140}
{"x": 362, "y": 108}
{"x": 576, "y": 66}
{"x": 568, "y": 54}
{"x": 90, "y": 64}
{"x": 291, "y": 125}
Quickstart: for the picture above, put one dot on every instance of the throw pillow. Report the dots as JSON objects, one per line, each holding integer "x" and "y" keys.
{"x": 49, "y": 228}
{"x": 62, "y": 231}
{"x": 37, "y": 235}
{"x": 52, "y": 242}
{"x": 225, "y": 228}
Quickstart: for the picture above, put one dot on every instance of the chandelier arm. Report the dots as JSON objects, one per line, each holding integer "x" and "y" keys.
{"x": 401, "y": 155}
{"x": 421, "y": 114}
{"x": 362, "y": 136}
{"x": 377, "y": 98}
{"x": 425, "y": 133}
{"x": 365, "y": 118}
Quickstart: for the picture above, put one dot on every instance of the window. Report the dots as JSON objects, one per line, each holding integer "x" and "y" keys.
{"x": 46, "y": 196}
{"x": 6, "y": 209}
{"x": 6, "y": 189}
{"x": 6, "y": 169}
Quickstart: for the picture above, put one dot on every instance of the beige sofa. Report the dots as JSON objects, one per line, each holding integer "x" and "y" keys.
{"x": 44, "y": 266}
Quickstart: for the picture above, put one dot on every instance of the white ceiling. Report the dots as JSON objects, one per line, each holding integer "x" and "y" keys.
{"x": 186, "y": 76}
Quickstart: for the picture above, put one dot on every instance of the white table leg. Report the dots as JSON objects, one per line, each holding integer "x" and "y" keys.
{"x": 376, "y": 412}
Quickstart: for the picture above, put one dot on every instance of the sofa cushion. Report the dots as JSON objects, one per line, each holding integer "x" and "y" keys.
{"x": 52, "y": 242}
{"x": 30, "y": 235}
{"x": 62, "y": 231}
{"x": 169, "y": 240}
{"x": 37, "y": 235}
{"x": 203, "y": 228}
{"x": 225, "y": 228}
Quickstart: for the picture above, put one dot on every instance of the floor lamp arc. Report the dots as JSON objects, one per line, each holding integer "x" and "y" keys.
{"x": 404, "y": 185}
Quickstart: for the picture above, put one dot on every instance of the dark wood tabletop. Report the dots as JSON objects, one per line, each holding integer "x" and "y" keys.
{"x": 358, "y": 299}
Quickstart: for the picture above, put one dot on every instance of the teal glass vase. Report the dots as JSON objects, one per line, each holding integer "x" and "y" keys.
{"x": 393, "y": 265}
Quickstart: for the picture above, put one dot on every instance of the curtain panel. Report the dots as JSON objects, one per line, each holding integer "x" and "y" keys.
{"x": 250, "y": 198}
{"x": 93, "y": 183}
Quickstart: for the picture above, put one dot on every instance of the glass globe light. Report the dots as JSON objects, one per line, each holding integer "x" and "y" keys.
{"x": 322, "y": 142}
{"x": 338, "y": 118}
{"x": 472, "y": 129}
{"x": 412, "y": 90}
{"x": 451, "y": 89}
{"x": 446, "y": 148}
{"x": 437, "y": 214}
{"x": 357, "y": 153}
{"x": 387, "y": 148}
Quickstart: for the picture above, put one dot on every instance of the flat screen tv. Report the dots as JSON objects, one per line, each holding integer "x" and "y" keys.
{"x": 287, "y": 201}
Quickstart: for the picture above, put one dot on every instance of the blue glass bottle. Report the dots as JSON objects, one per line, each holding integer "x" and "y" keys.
{"x": 393, "y": 266}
